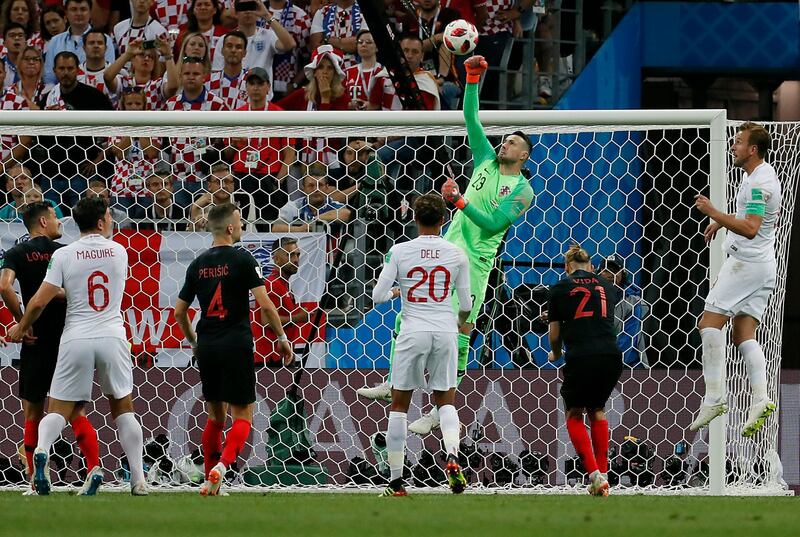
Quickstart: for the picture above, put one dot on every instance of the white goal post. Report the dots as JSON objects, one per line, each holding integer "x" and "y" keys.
{"x": 620, "y": 181}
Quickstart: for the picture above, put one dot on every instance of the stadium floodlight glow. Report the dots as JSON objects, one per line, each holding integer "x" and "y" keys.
{"x": 618, "y": 181}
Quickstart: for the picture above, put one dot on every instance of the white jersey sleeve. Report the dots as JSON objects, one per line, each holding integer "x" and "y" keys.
{"x": 55, "y": 269}
{"x": 383, "y": 289}
{"x": 428, "y": 268}
{"x": 94, "y": 272}
{"x": 463, "y": 284}
{"x": 759, "y": 194}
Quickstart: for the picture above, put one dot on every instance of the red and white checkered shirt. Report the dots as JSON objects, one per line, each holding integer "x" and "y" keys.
{"x": 187, "y": 152}
{"x": 36, "y": 40}
{"x": 342, "y": 27}
{"x": 285, "y": 65}
{"x": 493, "y": 24}
{"x": 153, "y": 90}
{"x": 10, "y": 101}
{"x": 96, "y": 80}
{"x": 172, "y": 13}
{"x": 232, "y": 91}
{"x": 124, "y": 33}
{"x": 131, "y": 171}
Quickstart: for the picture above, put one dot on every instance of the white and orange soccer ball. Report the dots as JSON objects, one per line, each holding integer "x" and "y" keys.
{"x": 460, "y": 37}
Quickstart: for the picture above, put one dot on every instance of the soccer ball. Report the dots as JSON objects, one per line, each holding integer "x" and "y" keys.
{"x": 460, "y": 37}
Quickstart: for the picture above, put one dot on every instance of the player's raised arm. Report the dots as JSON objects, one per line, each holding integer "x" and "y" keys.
{"x": 510, "y": 208}
{"x": 383, "y": 291}
{"x": 269, "y": 316}
{"x": 478, "y": 143}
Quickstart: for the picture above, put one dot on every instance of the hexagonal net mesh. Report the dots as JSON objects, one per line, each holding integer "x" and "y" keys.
{"x": 345, "y": 192}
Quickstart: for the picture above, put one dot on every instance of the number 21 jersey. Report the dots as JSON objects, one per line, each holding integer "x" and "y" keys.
{"x": 584, "y": 304}
{"x": 221, "y": 278}
{"x": 92, "y": 271}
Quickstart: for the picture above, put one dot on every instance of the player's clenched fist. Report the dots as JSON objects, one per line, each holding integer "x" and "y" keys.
{"x": 451, "y": 193}
{"x": 475, "y": 66}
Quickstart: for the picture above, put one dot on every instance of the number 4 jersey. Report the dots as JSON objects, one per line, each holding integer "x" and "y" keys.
{"x": 92, "y": 271}
{"x": 221, "y": 278}
{"x": 427, "y": 269}
{"x": 584, "y": 304}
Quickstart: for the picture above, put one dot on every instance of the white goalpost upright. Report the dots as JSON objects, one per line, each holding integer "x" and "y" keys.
{"x": 618, "y": 181}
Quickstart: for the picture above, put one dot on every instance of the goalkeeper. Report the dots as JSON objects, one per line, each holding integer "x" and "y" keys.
{"x": 497, "y": 195}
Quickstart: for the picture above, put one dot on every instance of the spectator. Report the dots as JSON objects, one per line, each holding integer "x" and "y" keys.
{"x": 358, "y": 163}
{"x": 23, "y": 12}
{"x": 91, "y": 72}
{"x": 204, "y": 17}
{"x": 285, "y": 66}
{"x": 325, "y": 91}
{"x": 286, "y": 261}
{"x": 172, "y": 14}
{"x": 30, "y": 86}
{"x": 134, "y": 156}
{"x": 71, "y": 159}
{"x": 13, "y": 211}
{"x": 71, "y": 40}
{"x": 164, "y": 214}
{"x": 98, "y": 188}
{"x": 262, "y": 164}
{"x": 429, "y": 26}
{"x": 262, "y": 44}
{"x": 196, "y": 46}
{"x": 473, "y": 11}
{"x": 188, "y": 152}
{"x": 9, "y": 100}
{"x": 630, "y": 308}
{"x": 315, "y": 206}
{"x": 140, "y": 27}
{"x": 397, "y": 153}
{"x": 502, "y": 24}
{"x": 229, "y": 83}
{"x": 363, "y": 82}
{"x": 220, "y": 188}
{"x": 14, "y": 39}
{"x": 146, "y": 72}
{"x": 337, "y": 24}
{"x": 52, "y": 22}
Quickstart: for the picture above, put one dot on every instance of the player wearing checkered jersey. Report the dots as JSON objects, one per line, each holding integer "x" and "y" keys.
{"x": 140, "y": 27}
{"x": 429, "y": 269}
{"x": 745, "y": 281}
{"x": 91, "y": 273}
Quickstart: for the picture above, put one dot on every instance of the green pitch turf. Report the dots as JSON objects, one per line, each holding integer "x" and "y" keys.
{"x": 436, "y": 515}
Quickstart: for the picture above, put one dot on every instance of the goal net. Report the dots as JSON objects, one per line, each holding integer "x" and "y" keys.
{"x": 620, "y": 183}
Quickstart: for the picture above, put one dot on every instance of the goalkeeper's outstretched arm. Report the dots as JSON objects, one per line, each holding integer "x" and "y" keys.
{"x": 510, "y": 208}
{"x": 481, "y": 149}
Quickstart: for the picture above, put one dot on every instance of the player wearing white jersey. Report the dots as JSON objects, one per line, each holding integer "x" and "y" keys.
{"x": 427, "y": 268}
{"x": 92, "y": 273}
{"x": 745, "y": 280}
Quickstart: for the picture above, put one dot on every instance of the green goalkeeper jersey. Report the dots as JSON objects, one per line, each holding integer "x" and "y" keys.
{"x": 495, "y": 200}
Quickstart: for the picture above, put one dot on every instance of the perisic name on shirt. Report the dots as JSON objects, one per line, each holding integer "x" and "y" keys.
{"x": 214, "y": 272}
{"x": 102, "y": 253}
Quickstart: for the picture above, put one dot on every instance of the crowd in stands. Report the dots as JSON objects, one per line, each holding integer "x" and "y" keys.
{"x": 210, "y": 55}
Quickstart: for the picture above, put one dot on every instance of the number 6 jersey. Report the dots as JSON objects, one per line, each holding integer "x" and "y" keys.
{"x": 584, "y": 304}
{"x": 92, "y": 271}
{"x": 427, "y": 269}
{"x": 221, "y": 278}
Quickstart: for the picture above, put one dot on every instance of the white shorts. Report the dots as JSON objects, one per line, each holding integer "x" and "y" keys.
{"x": 77, "y": 361}
{"x": 742, "y": 287}
{"x": 417, "y": 352}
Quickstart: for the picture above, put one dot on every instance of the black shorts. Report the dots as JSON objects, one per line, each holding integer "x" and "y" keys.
{"x": 37, "y": 364}
{"x": 227, "y": 374}
{"x": 589, "y": 380}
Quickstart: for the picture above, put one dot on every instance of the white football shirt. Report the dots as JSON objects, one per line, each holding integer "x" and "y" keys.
{"x": 759, "y": 193}
{"x": 262, "y": 47}
{"x": 92, "y": 271}
{"x": 427, "y": 269}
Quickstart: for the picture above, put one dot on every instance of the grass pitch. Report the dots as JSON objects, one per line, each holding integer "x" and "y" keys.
{"x": 437, "y": 515}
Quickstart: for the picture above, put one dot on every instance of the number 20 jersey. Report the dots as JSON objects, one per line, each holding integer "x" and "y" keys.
{"x": 584, "y": 305}
{"x": 427, "y": 269}
{"x": 92, "y": 271}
